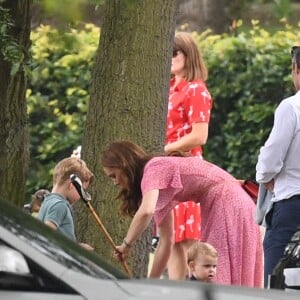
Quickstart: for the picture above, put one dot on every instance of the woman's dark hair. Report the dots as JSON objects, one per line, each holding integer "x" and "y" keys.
{"x": 295, "y": 52}
{"x": 131, "y": 160}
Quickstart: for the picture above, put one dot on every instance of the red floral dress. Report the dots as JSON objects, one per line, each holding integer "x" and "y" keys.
{"x": 189, "y": 103}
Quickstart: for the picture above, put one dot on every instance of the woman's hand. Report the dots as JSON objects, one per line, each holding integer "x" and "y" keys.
{"x": 168, "y": 148}
{"x": 122, "y": 252}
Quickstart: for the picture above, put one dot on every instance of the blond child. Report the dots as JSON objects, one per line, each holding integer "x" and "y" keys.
{"x": 56, "y": 210}
{"x": 202, "y": 262}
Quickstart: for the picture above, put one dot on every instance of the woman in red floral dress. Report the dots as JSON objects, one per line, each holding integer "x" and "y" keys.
{"x": 189, "y": 109}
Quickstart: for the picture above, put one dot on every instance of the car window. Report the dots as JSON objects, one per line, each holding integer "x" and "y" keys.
{"x": 54, "y": 244}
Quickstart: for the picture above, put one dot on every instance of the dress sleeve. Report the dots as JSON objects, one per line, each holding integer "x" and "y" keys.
{"x": 198, "y": 103}
{"x": 162, "y": 174}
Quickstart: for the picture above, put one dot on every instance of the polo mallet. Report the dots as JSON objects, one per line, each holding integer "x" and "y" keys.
{"x": 86, "y": 197}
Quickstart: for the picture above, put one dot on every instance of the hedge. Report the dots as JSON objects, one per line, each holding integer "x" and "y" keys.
{"x": 249, "y": 74}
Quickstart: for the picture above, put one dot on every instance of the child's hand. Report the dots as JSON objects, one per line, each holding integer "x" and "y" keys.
{"x": 86, "y": 246}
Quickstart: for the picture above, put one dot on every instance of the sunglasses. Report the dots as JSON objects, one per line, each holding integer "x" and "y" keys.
{"x": 176, "y": 52}
{"x": 294, "y": 50}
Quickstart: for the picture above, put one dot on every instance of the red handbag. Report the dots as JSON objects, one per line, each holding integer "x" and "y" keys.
{"x": 251, "y": 187}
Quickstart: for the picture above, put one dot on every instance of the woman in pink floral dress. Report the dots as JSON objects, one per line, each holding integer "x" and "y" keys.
{"x": 152, "y": 186}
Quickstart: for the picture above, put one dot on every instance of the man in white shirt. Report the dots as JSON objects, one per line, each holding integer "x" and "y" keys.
{"x": 278, "y": 168}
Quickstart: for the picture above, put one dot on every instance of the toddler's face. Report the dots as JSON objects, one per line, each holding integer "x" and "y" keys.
{"x": 204, "y": 268}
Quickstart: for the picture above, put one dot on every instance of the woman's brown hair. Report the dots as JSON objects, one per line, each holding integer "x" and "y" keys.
{"x": 195, "y": 67}
{"x": 131, "y": 160}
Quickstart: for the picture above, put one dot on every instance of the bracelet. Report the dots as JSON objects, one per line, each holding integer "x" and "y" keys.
{"x": 126, "y": 243}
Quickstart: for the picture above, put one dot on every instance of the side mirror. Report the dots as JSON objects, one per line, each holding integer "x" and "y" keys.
{"x": 12, "y": 261}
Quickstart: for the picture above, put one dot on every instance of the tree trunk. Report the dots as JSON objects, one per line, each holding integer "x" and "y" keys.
{"x": 129, "y": 91}
{"x": 14, "y": 152}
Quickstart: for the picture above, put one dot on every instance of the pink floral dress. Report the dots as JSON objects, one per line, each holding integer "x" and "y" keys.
{"x": 227, "y": 213}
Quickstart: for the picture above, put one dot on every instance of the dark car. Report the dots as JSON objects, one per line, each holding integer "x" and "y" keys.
{"x": 38, "y": 263}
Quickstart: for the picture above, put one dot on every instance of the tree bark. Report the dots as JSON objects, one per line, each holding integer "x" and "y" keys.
{"x": 14, "y": 152}
{"x": 129, "y": 91}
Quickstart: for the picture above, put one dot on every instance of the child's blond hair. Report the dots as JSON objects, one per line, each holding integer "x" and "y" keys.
{"x": 71, "y": 165}
{"x": 201, "y": 248}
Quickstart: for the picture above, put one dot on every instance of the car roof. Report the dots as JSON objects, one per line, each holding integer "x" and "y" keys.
{"x": 20, "y": 228}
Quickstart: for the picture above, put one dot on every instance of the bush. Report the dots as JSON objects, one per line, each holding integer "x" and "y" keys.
{"x": 57, "y": 96}
{"x": 249, "y": 74}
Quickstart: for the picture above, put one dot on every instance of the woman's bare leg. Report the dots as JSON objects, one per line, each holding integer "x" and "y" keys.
{"x": 177, "y": 264}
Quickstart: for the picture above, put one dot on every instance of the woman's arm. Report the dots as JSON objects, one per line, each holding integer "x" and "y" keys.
{"x": 140, "y": 222}
{"x": 197, "y": 137}
{"x": 163, "y": 250}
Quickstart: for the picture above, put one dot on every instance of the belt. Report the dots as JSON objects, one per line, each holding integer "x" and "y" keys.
{"x": 295, "y": 197}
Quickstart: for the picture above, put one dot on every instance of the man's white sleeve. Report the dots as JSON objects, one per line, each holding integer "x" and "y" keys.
{"x": 272, "y": 155}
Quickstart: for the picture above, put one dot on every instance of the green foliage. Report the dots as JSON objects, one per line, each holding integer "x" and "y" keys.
{"x": 69, "y": 9}
{"x": 57, "y": 96}
{"x": 282, "y": 9}
{"x": 9, "y": 47}
{"x": 249, "y": 74}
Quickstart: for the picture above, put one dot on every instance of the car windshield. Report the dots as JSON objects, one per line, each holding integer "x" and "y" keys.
{"x": 53, "y": 244}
